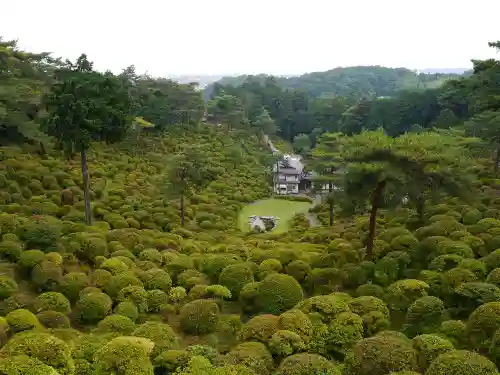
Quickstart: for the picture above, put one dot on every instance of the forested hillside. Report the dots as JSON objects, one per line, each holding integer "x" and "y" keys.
{"x": 120, "y": 251}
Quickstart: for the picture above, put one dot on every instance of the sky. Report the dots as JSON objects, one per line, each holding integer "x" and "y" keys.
{"x": 219, "y": 37}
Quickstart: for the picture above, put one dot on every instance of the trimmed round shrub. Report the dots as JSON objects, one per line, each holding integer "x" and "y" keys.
{"x": 52, "y": 301}
{"x": 22, "y": 320}
{"x": 22, "y": 364}
{"x": 259, "y": 328}
{"x": 471, "y": 295}
{"x": 296, "y": 321}
{"x": 424, "y": 316}
{"x": 7, "y": 287}
{"x": 93, "y": 307}
{"x": 156, "y": 279}
{"x": 453, "y": 330}
{"x": 482, "y": 325}
{"x": 116, "y": 324}
{"x": 10, "y": 250}
{"x": 429, "y": 347}
{"x": 171, "y": 360}
{"x": 47, "y": 348}
{"x": 29, "y": 259}
{"x": 53, "y": 319}
{"x": 461, "y": 362}
{"x": 373, "y": 290}
{"x": 284, "y": 343}
{"x": 128, "y": 309}
{"x": 135, "y": 294}
{"x": 46, "y": 275}
{"x": 298, "y": 269}
{"x": 307, "y": 364}
{"x": 402, "y": 293}
{"x": 277, "y": 293}
{"x": 494, "y": 277}
{"x": 254, "y": 355}
{"x": 234, "y": 277}
{"x": 328, "y": 307}
{"x": 380, "y": 355}
{"x": 72, "y": 284}
{"x": 199, "y": 316}
{"x": 160, "y": 333}
{"x": 157, "y": 299}
{"x": 116, "y": 283}
{"x": 128, "y": 354}
{"x": 114, "y": 265}
{"x": 366, "y": 304}
{"x": 101, "y": 277}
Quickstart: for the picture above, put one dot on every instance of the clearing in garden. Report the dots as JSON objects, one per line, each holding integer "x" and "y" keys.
{"x": 283, "y": 209}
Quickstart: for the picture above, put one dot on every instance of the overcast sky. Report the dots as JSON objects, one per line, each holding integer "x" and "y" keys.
{"x": 166, "y": 37}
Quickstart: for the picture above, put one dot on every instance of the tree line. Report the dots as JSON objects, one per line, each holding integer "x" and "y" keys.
{"x": 299, "y": 114}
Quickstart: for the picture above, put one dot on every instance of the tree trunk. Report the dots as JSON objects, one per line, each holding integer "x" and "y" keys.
{"x": 330, "y": 201}
{"x": 376, "y": 203}
{"x": 421, "y": 208}
{"x": 497, "y": 159}
{"x": 86, "y": 187}
{"x": 183, "y": 220}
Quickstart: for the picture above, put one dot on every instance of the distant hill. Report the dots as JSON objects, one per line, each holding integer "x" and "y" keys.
{"x": 202, "y": 80}
{"x": 357, "y": 81}
{"x": 444, "y": 70}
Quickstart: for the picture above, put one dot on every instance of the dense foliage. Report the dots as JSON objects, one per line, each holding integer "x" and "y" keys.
{"x": 404, "y": 280}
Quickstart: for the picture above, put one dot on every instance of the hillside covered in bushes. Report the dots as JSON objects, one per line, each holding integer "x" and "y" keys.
{"x": 120, "y": 251}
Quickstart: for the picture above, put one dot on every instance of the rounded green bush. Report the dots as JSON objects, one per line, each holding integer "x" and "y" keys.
{"x": 461, "y": 362}
{"x": 72, "y": 284}
{"x": 53, "y": 319}
{"x": 53, "y": 301}
{"x": 114, "y": 265}
{"x": 171, "y": 360}
{"x": 23, "y": 364}
{"x": 373, "y": 290}
{"x": 429, "y": 347}
{"x": 328, "y": 306}
{"x": 494, "y": 277}
{"x": 10, "y": 250}
{"x": 128, "y": 309}
{"x": 469, "y": 296}
{"x": 235, "y": 276}
{"x": 307, "y": 364}
{"x": 100, "y": 277}
{"x": 424, "y": 316}
{"x": 7, "y": 287}
{"x": 44, "y": 347}
{"x": 116, "y": 324}
{"x": 453, "y": 330}
{"x": 277, "y": 293}
{"x": 128, "y": 354}
{"x": 29, "y": 259}
{"x": 259, "y": 328}
{"x": 135, "y": 294}
{"x": 296, "y": 321}
{"x": 116, "y": 283}
{"x": 366, "y": 304}
{"x": 285, "y": 343}
{"x": 93, "y": 307}
{"x": 156, "y": 279}
{"x": 161, "y": 334}
{"x": 157, "y": 299}
{"x": 482, "y": 324}
{"x": 402, "y": 293}
{"x": 46, "y": 275}
{"x": 199, "y": 316}
{"x": 298, "y": 269}
{"x": 22, "y": 320}
{"x": 380, "y": 355}
{"x": 253, "y": 355}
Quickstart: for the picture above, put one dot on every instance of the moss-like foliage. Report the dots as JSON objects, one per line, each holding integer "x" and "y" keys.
{"x": 306, "y": 364}
{"x": 461, "y": 362}
{"x": 380, "y": 355}
{"x": 199, "y": 316}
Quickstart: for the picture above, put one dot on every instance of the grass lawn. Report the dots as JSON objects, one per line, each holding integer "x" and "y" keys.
{"x": 284, "y": 210}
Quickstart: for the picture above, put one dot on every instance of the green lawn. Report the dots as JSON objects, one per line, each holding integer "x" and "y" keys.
{"x": 284, "y": 210}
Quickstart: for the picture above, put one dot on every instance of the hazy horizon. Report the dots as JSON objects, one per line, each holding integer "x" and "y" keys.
{"x": 195, "y": 37}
